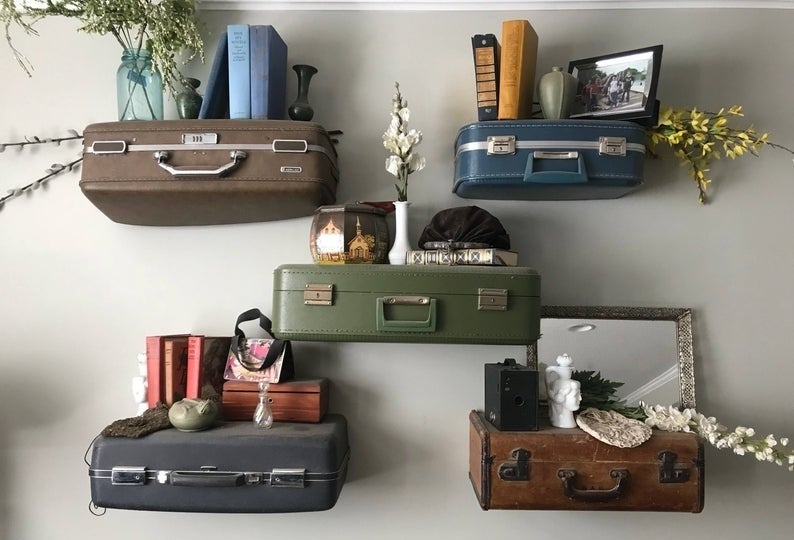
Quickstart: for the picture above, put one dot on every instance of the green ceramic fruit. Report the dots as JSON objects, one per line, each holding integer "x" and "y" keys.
{"x": 193, "y": 414}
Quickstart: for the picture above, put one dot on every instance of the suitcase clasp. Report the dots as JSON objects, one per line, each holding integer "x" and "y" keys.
{"x": 612, "y": 146}
{"x": 128, "y": 476}
{"x": 491, "y": 299}
{"x": 669, "y": 472}
{"x": 517, "y": 471}
{"x": 316, "y": 294}
{"x": 501, "y": 145}
{"x": 294, "y": 478}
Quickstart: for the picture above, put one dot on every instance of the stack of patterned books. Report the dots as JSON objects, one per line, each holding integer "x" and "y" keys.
{"x": 473, "y": 256}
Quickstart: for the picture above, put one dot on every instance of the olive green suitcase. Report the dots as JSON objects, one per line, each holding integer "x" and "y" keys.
{"x": 401, "y": 303}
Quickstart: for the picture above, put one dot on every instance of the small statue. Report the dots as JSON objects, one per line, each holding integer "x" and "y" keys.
{"x": 564, "y": 394}
{"x": 140, "y": 386}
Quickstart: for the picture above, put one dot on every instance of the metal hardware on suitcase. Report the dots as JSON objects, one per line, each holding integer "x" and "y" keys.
{"x": 235, "y": 467}
{"x": 549, "y": 159}
{"x": 207, "y": 172}
{"x": 431, "y": 304}
{"x": 567, "y": 469}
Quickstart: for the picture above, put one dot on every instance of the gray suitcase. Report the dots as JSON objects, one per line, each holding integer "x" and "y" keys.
{"x": 235, "y": 467}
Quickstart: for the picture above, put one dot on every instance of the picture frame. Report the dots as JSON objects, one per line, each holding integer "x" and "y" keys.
{"x": 618, "y": 86}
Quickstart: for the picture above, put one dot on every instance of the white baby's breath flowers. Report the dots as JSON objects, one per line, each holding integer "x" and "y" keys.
{"x": 740, "y": 440}
{"x": 401, "y": 141}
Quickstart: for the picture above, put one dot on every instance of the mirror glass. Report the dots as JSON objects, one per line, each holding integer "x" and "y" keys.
{"x": 647, "y": 349}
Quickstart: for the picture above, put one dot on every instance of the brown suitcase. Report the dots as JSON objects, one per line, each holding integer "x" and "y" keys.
{"x": 299, "y": 400}
{"x": 208, "y": 172}
{"x": 567, "y": 469}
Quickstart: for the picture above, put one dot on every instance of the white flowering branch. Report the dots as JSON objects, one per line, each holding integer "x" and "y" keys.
{"x": 53, "y": 170}
{"x": 741, "y": 440}
{"x": 400, "y": 141}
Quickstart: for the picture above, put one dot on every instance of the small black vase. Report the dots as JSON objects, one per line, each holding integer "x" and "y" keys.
{"x": 300, "y": 109}
{"x": 188, "y": 103}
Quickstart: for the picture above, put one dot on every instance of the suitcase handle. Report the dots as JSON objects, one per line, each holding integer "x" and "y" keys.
{"x": 555, "y": 177}
{"x": 395, "y": 325}
{"x": 236, "y": 157}
{"x": 594, "y": 495}
{"x": 206, "y": 479}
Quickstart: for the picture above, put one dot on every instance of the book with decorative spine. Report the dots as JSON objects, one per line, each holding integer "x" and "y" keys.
{"x": 471, "y": 256}
{"x": 175, "y": 368}
{"x": 206, "y": 361}
{"x": 155, "y": 368}
{"x": 517, "y": 64}
{"x": 486, "y": 74}
{"x": 238, "y": 36}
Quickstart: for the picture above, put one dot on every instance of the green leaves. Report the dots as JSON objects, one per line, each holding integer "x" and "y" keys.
{"x": 600, "y": 393}
{"x": 164, "y": 27}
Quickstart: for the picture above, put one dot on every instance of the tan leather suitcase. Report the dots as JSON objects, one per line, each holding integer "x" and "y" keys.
{"x": 567, "y": 469}
{"x": 298, "y": 400}
{"x": 208, "y": 172}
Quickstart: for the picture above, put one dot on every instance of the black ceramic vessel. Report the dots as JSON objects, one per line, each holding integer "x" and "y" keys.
{"x": 300, "y": 109}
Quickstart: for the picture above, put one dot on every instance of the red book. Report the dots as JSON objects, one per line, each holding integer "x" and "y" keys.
{"x": 206, "y": 361}
{"x": 175, "y": 368}
{"x": 155, "y": 371}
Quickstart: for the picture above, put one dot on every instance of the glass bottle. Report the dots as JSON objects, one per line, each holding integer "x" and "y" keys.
{"x": 263, "y": 416}
{"x": 139, "y": 87}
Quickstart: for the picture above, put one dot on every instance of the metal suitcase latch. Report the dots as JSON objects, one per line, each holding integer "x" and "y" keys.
{"x": 669, "y": 472}
{"x": 491, "y": 299}
{"x": 128, "y": 476}
{"x": 290, "y": 145}
{"x": 316, "y": 294}
{"x": 109, "y": 147}
{"x": 612, "y": 146}
{"x": 199, "y": 138}
{"x": 501, "y": 145}
{"x": 517, "y": 471}
{"x": 292, "y": 478}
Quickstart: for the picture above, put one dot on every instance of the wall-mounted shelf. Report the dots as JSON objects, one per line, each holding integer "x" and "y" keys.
{"x": 481, "y": 5}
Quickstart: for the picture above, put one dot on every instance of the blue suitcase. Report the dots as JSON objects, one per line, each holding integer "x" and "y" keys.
{"x": 549, "y": 159}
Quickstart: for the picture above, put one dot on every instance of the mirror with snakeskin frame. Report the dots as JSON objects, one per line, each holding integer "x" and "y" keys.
{"x": 648, "y": 349}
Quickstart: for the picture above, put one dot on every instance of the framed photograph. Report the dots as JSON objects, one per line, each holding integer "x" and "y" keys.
{"x": 619, "y": 86}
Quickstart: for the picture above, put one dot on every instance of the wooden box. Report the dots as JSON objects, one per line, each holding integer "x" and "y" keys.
{"x": 567, "y": 469}
{"x": 300, "y": 400}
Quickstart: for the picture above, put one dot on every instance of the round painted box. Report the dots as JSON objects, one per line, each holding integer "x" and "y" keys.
{"x": 349, "y": 234}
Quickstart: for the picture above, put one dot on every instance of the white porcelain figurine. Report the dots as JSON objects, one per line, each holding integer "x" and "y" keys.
{"x": 140, "y": 385}
{"x": 564, "y": 394}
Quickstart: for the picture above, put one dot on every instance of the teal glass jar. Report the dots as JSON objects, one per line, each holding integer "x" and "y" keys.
{"x": 139, "y": 87}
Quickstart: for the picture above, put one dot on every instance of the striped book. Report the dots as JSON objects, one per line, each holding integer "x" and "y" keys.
{"x": 473, "y": 256}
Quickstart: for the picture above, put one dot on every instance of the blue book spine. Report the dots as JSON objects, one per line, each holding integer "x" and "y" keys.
{"x": 268, "y": 73}
{"x": 239, "y": 71}
{"x": 216, "y": 94}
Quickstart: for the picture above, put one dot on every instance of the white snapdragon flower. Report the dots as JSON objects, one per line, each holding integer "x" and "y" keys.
{"x": 401, "y": 142}
{"x": 739, "y": 440}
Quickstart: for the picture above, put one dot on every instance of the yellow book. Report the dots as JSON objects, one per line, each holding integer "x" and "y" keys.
{"x": 517, "y": 69}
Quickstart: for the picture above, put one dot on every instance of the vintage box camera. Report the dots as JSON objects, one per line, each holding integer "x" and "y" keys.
{"x": 511, "y": 396}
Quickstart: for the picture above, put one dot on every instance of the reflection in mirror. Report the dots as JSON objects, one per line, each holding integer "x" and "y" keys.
{"x": 647, "y": 349}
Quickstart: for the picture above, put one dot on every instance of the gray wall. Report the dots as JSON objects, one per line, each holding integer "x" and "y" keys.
{"x": 79, "y": 293}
